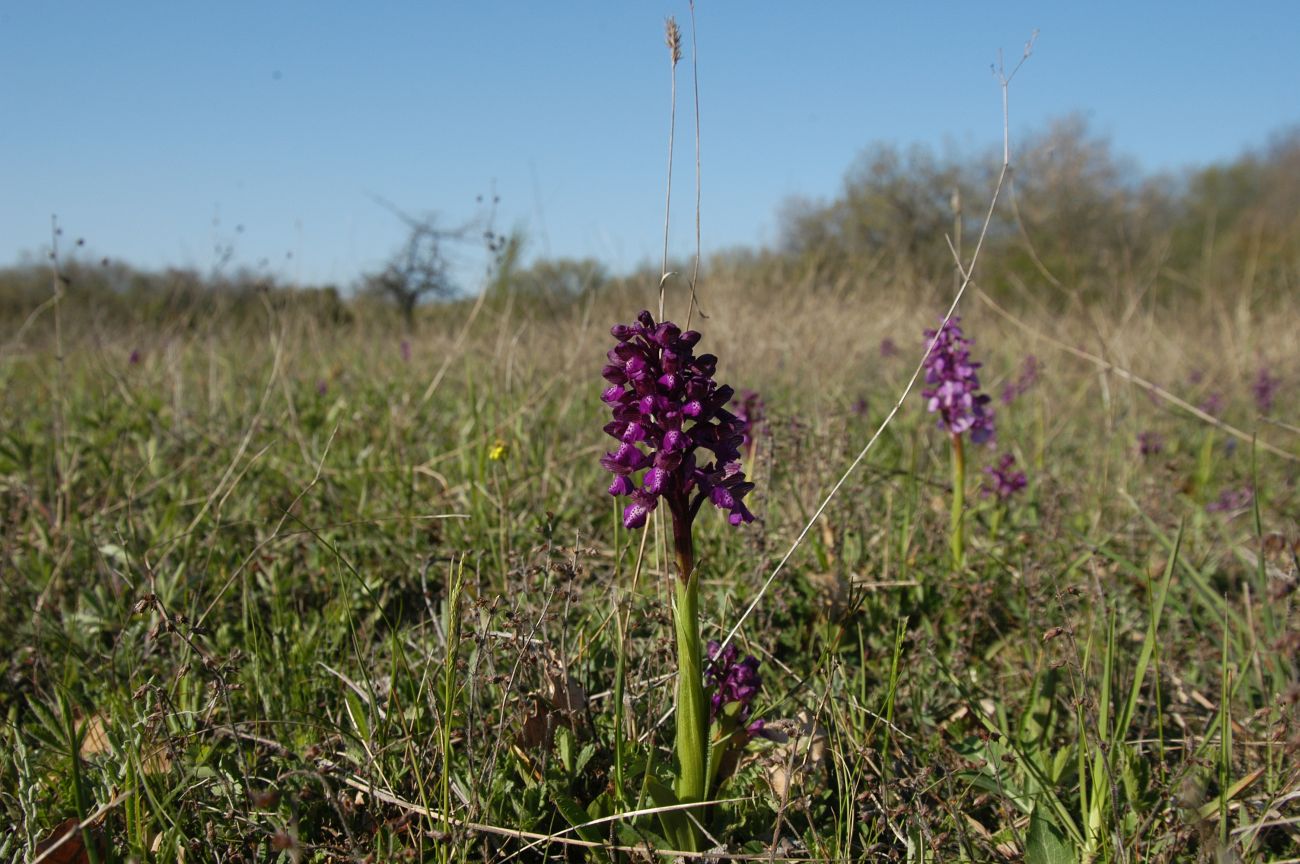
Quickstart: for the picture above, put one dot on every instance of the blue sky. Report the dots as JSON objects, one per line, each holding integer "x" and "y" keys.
{"x": 155, "y": 129}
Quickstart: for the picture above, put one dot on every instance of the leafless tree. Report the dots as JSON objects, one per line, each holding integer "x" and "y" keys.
{"x": 421, "y": 268}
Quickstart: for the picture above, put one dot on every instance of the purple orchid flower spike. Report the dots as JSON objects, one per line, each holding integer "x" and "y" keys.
{"x": 1003, "y": 480}
{"x": 663, "y": 398}
{"x": 953, "y": 385}
{"x": 732, "y": 680}
{"x": 1265, "y": 389}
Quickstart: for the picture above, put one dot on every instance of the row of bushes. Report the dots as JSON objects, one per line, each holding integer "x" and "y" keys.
{"x": 1077, "y": 224}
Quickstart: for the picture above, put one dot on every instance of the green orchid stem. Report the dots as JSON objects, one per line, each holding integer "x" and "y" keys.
{"x": 692, "y": 709}
{"x": 956, "y": 531}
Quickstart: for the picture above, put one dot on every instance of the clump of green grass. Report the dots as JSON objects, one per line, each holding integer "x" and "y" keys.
{"x": 387, "y": 619}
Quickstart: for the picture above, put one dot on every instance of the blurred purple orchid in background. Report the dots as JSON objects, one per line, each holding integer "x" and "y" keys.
{"x": 750, "y": 410}
{"x": 1150, "y": 443}
{"x": 1006, "y": 481}
{"x": 1265, "y": 389}
{"x": 1013, "y": 390}
{"x": 1231, "y": 499}
{"x": 953, "y": 391}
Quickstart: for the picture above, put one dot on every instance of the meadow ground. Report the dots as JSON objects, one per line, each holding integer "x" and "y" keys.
{"x": 278, "y": 591}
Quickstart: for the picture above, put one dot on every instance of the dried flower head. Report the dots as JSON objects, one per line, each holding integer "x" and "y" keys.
{"x": 673, "y": 39}
{"x": 664, "y": 398}
{"x": 953, "y": 391}
{"x": 1003, "y": 480}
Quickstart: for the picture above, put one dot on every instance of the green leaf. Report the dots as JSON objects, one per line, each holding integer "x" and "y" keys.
{"x": 674, "y": 822}
{"x": 584, "y": 756}
{"x": 357, "y": 714}
{"x": 576, "y": 816}
{"x": 1045, "y": 844}
{"x": 564, "y": 746}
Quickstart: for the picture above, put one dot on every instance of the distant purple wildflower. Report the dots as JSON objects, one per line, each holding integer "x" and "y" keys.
{"x": 731, "y": 680}
{"x": 1013, "y": 390}
{"x": 952, "y": 393}
{"x": 664, "y": 397}
{"x": 859, "y": 408}
{"x": 406, "y": 350}
{"x": 1265, "y": 389}
{"x": 1212, "y": 404}
{"x": 1150, "y": 443}
{"x": 1006, "y": 481}
{"x": 134, "y": 359}
{"x": 750, "y": 410}
{"x": 1231, "y": 499}
{"x": 322, "y": 387}
{"x": 888, "y": 348}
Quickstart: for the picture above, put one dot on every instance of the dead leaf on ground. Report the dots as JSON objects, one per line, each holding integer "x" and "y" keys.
{"x": 94, "y": 739}
{"x": 65, "y": 844}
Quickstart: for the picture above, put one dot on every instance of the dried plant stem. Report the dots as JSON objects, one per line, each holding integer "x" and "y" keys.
{"x": 674, "y": 40}
{"x": 57, "y": 280}
{"x": 695, "y": 268}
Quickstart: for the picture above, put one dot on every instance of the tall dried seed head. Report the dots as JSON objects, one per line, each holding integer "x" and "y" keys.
{"x": 673, "y": 38}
